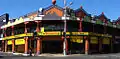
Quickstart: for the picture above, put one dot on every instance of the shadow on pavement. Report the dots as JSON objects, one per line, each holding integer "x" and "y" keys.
{"x": 1, "y": 56}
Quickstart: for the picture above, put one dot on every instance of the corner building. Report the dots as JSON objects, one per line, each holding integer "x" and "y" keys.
{"x": 42, "y": 31}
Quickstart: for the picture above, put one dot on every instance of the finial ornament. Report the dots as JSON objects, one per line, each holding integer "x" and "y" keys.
{"x": 103, "y": 13}
{"x": 53, "y": 2}
{"x": 81, "y": 7}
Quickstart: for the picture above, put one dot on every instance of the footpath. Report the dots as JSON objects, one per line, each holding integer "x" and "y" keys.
{"x": 46, "y": 54}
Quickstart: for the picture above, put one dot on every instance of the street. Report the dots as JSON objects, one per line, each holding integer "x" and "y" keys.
{"x": 98, "y": 56}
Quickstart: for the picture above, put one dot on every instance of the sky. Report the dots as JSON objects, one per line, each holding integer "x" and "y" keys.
{"x": 17, "y": 8}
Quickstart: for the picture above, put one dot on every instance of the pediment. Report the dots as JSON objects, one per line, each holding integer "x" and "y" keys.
{"x": 54, "y": 9}
{"x": 52, "y": 16}
{"x": 80, "y": 12}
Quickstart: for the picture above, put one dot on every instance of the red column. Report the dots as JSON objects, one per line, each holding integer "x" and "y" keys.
{"x": 26, "y": 45}
{"x": 26, "y": 38}
{"x": 39, "y": 45}
{"x": 86, "y": 45}
{"x": 80, "y": 24}
{"x": 39, "y": 41}
{"x": 67, "y": 46}
{"x": 25, "y": 27}
{"x": 13, "y": 41}
{"x": 6, "y": 46}
{"x": 5, "y": 40}
{"x": 3, "y": 45}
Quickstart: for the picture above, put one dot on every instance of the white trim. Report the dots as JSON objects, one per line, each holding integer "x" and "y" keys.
{"x": 26, "y": 19}
{"x": 63, "y": 18}
{"x": 78, "y": 18}
{"x": 0, "y": 39}
{"x": 38, "y": 18}
{"x": 114, "y": 26}
{"x": 93, "y": 21}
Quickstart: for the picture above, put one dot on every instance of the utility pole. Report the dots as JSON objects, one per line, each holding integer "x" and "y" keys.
{"x": 64, "y": 33}
{"x": 65, "y": 24}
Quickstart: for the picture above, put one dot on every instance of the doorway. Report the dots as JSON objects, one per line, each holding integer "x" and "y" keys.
{"x": 52, "y": 46}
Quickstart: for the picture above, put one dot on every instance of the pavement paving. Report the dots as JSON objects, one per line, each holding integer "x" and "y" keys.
{"x": 60, "y": 56}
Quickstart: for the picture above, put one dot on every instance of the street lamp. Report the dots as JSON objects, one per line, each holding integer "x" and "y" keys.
{"x": 65, "y": 23}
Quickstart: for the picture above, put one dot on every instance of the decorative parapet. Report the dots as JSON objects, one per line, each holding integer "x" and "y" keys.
{"x": 99, "y": 22}
{"x": 118, "y": 26}
{"x": 114, "y": 26}
{"x": 73, "y": 17}
{"x": 110, "y": 24}
{"x": 86, "y": 19}
{"x": 17, "y": 21}
{"x": 93, "y": 21}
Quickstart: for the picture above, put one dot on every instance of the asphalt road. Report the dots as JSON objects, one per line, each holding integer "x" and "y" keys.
{"x": 98, "y": 56}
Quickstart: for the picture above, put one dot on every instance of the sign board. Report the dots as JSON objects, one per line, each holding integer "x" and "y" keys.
{"x": 93, "y": 40}
{"x": 80, "y": 33}
{"x": 106, "y": 41}
{"x": 9, "y": 42}
{"x": 50, "y": 33}
{"x": 77, "y": 39}
{"x": 19, "y": 41}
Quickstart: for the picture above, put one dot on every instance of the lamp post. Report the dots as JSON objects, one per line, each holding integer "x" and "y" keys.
{"x": 65, "y": 23}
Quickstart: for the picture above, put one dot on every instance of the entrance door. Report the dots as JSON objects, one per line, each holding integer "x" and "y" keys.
{"x": 0, "y": 45}
{"x": 94, "y": 46}
{"x": 9, "y": 45}
{"x": 106, "y": 45}
{"x": 52, "y": 46}
{"x": 76, "y": 44}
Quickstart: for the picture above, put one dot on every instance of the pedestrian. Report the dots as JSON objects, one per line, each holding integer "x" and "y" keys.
{"x": 30, "y": 52}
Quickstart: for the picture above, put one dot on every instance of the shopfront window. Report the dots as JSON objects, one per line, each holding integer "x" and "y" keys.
{"x": 53, "y": 27}
{"x": 72, "y": 26}
{"x": 9, "y": 32}
{"x": 18, "y": 31}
